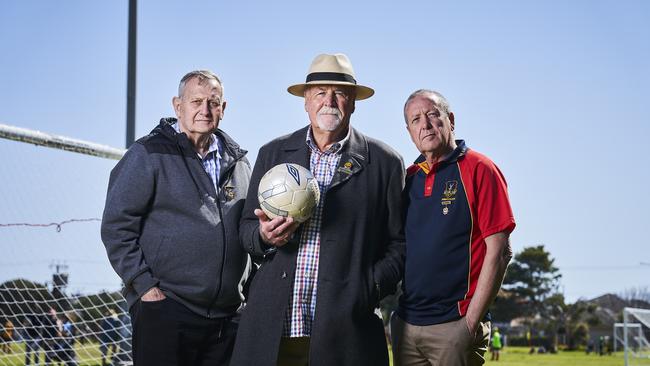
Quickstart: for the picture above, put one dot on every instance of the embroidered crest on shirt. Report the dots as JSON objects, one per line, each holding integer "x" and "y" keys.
{"x": 448, "y": 195}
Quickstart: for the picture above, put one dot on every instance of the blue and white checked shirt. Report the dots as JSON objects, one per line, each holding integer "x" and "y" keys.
{"x": 302, "y": 302}
{"x": 212, "y": 160}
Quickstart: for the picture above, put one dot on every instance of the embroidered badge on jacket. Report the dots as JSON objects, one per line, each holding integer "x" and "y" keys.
{"x": 229, "y": 191}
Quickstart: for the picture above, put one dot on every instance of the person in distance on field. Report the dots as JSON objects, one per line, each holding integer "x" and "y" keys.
{"x": 109, "y": 336}
{"x": 496, "y": 343}
{"x": 32, "y": 336}
{"x": 458, "y": 220}
{"x": 171, "y": 231}
{"x": 312, "y": 300}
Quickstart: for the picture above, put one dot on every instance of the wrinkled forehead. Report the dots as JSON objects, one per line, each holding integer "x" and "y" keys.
{"x": 421, "y": 103}
{"x": 199, "y": 84}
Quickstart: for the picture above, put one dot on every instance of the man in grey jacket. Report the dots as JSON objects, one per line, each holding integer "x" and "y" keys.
{"x": 171, "y": 231}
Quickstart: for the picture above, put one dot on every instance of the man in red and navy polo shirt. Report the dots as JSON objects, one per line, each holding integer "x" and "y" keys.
{"x": 457, "y": 223}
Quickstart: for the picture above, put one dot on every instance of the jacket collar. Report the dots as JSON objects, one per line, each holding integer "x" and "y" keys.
{"x": 356, "y": 146}
{"x": 354, "y": 154}
{"x": 231, "y": 150}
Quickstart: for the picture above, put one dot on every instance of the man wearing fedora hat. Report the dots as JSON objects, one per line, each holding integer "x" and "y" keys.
{"x": 314, "y": 296}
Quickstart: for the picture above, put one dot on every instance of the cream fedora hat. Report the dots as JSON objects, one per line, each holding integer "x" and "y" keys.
{"x": 333, "y": 69}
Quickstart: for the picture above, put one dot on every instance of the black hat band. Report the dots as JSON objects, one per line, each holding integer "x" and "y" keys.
{"x": 330, "y": 76}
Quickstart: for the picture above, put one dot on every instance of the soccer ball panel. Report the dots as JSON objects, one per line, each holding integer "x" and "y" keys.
{"x": 288, "y": 190}
{"x": 280, "y": 196}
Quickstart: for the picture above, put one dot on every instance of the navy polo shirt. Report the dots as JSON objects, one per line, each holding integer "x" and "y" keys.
{"x": 450, "y": 209}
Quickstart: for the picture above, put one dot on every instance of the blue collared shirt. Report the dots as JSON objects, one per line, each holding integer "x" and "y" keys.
{"x": 212, "y": 160}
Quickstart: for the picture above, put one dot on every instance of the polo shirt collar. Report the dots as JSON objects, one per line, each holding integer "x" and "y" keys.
{"x": 452, "y": 157}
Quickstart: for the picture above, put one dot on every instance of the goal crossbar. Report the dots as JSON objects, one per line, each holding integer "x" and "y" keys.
{"x": 59, "y": 142}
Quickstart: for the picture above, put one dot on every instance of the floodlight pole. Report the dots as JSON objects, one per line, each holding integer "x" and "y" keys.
{"x": 130, "y": 76}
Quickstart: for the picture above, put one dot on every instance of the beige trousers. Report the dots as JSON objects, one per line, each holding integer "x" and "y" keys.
{"x": 446, "y": 344}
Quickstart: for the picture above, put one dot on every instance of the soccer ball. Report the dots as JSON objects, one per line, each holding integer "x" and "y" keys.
{"x": 288, "y": 190}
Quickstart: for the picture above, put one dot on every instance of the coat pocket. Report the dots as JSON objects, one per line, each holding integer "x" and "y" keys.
{"x": 373, "y": 290}
{"x": 368, "y": 297}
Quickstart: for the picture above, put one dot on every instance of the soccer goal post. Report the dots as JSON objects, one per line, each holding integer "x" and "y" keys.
{"x": 60, "y": 299}
{"x": 635, "y": 331}
{"x": 59, "y": 142}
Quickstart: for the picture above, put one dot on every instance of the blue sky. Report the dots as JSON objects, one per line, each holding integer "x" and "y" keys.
{"x": 555, "y": 92}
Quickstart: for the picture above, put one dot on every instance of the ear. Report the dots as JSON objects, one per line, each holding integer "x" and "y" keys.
{"x": 451, "y": 120}
{"x": 176, "y": 103}
{"x": 353, "y": 106}
{"x": 223, "y": 107}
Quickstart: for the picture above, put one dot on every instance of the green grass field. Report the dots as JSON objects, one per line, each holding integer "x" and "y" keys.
{"x": 88, "y": 355}
{"x": 518, "y": 356}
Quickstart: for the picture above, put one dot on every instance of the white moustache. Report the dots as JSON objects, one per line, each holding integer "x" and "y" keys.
{"x": 330, "y": 110}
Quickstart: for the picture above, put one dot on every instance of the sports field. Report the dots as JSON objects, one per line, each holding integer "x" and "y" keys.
{"x": 518, "y": 356}
{"x": 511, "y": 356}
{"x": 87, "y": 355}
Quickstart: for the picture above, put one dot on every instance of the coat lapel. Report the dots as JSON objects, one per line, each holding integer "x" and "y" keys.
{"x": 353, "y": 159}
{"x": 296, "y": 149}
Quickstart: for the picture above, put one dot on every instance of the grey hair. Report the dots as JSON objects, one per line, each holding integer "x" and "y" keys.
{"x": 202, "y": 75}
{"x": 438, "y": 99}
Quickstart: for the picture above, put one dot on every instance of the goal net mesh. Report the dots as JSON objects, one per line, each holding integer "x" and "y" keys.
{"x": 632, "y": 336}
{"x": 60, "y": 300}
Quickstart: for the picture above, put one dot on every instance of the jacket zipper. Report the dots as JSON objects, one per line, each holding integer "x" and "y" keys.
{"x": 223, "y": 228}
{"x": 223, "y": 233}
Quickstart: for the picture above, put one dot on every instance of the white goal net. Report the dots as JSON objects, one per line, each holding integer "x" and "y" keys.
{"x": 60, "y": 300}
{"x": 633, "y": 336}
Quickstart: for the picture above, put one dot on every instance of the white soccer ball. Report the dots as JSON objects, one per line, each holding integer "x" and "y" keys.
{"x": 288, "y": 190}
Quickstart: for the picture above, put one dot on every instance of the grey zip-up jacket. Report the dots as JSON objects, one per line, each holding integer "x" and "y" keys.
{"x": 165, "y": 225}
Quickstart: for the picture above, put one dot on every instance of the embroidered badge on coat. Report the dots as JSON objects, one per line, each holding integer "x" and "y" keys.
{"x": 346, "y": 168}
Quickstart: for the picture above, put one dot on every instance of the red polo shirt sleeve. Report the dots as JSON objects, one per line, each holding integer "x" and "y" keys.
{"x": 490, "y": 196}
